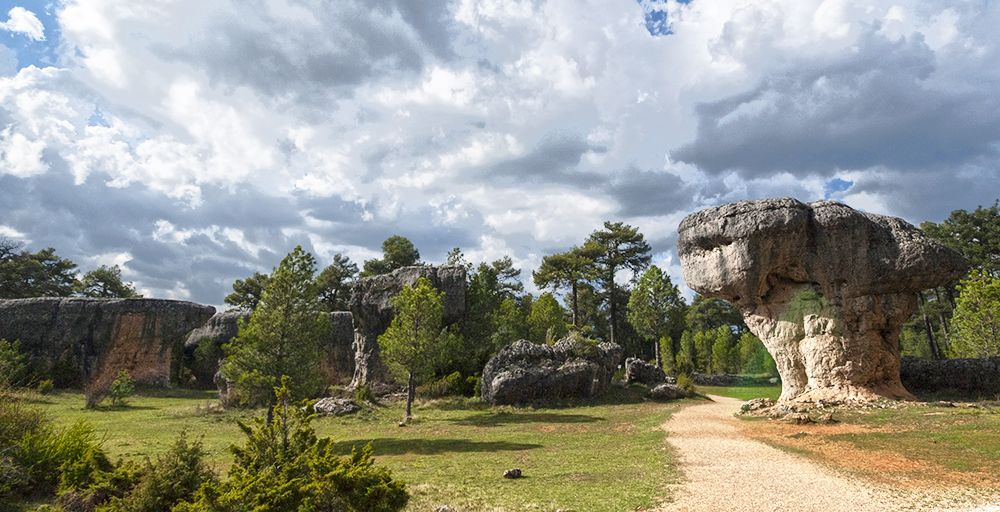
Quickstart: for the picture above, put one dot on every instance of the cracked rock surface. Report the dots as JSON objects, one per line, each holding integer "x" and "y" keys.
{"x": 824, "y": 286}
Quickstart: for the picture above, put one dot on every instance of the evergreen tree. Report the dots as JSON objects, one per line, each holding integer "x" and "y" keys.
{"x": 547, "y": 321}
{"x": 334, "y": 283}
{"x": 568, "y": 270}
{"x": 622, "y": 247}
{"x": 42, "y": 274}
{"x": 282, "y": 336}
{"x": 247, "y": 292}
{"x": 397, "y": 252}
{"x": 106, "y": 282}
{"x": 656, "y": 310}
{"x": 414, "y": 345}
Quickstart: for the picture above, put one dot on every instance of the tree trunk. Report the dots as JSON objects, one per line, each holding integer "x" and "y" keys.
{"x": 411, "y": 393}
{"x": 614, "y": 309}
{"x": 935, "y": 350}
{"x": 575, "y": 309}
{"x": 656, "y": 350}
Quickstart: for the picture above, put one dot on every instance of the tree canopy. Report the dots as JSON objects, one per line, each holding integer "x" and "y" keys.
{"x": 977, "y": 317}
{"x": 106, "y": 282}
{"x": 397, "y": 252}
{"x": 282, "y": 336}
{"x": 334, "y": 283}
{"x": 42, "y": 274}
{"x": 621, "y": 247}
{"x": 247, "y": 292}
{"x": 975, "y": 235}
{"x": 656, "y": 309}
{"x": 569, "y": 270}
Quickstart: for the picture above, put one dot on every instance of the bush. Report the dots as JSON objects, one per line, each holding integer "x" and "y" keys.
{"x": 685, "y": 382}
{"x": 174, "y": 477}
{"x": 45, "y": 387}
{"x": 45, "y": 453}
{"x": 122, "y": 388}
{"x": 363, "y": 394}
{"x": 283, "y": 466}
{"x": 13, "y": 364}
{"x": 451, "y": 385}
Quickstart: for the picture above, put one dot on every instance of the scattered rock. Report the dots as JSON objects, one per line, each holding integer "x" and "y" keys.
{"x": 667, "y": 392}
{"x": 445, "y": 508}
{"x": 641, "y": 372}
{"x": 512, "y": 473}
{"x": 336, "y": 406}
{"x": 757, "y": 404}
{"x": 702, "y": 379}
{"x": 825, "y": 287}
{"x": 798, "y": 418}
{"x": 826, "y": 419}
{"x": 525, "y": 372}
{"x": 372, "y": 312}
{"x": 86, "y": 342}
{"x": 942, "y": 403}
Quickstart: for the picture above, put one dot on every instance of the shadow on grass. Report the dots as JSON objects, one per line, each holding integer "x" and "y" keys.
{"x": 499, "y": 419}
{"x": 393, "y": 446}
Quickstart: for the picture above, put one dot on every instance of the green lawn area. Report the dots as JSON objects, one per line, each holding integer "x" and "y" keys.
{"x": 605, "y": 455}
{"x": 743, "y": 392}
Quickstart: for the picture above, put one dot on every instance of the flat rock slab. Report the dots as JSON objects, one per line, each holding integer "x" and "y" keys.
{"x": 724, "y": 470}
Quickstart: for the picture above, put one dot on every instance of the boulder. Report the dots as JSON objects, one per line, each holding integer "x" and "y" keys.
{"x": 525, "y": 372}
{"x": 641, "y": 372}
{"x": 667, "y": 392}
{"x": 373, "y": 312}
{"x": 86, "y": 342}
{"x": 825, "y": 287}
{"x": 336, "y": 406}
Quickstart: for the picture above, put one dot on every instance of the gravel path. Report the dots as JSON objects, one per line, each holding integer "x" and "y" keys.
{"x": 725, "y": 470}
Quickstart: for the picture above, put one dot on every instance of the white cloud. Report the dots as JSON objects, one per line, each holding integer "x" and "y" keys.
{"x": 25, "y": 22}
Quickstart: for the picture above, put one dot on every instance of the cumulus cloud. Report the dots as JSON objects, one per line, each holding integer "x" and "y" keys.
{"x": 205, "y": 139}
{"x": 23, "y": 21}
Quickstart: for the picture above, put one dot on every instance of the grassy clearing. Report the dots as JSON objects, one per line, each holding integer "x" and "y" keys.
{"x": 743, "y": 392}
{"x": 607, "y": 455}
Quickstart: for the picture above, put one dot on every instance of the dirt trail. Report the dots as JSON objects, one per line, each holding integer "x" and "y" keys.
{"x": 724, "y": 470}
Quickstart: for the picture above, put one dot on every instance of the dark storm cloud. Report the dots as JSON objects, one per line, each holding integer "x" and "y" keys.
{"x": 90, "y": 219}
{"x": 284, "y": 59}
{"x": 874, "y": 107}
{"x": 554, "y": 160}
{"x": 649, "y": 193}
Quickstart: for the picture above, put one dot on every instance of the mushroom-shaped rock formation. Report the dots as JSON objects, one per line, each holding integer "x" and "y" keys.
{"x": 824, "y": 286}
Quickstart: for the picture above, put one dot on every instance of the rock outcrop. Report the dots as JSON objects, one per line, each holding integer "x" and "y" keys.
{"x": 973, "y": 376}
{"x": 220, "y": 329}
{"x": 79, "y": 341}
{"x": 373, "y": 312}
{"x": 639, "y": 371}
{"x": 337, "y": 362}
{"x": 525, "y": 372}
{"x": 825, "y": 287}
{"x": 667, "y": 391}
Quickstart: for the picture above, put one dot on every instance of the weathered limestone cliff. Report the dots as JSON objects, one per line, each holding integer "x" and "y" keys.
{"x": 79, "y": 341}
{"x": 373, "y": 312}
{"x": 825, "y": 287}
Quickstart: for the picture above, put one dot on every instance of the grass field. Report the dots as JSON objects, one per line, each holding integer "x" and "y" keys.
{"x": 607, "y": 455}
{"x": 743, "y": 392}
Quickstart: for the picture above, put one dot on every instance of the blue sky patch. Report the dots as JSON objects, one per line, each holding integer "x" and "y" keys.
{"x": 28, "y": 51}
{"x": 836, "y": 185}
{"x": 657, "y": 21}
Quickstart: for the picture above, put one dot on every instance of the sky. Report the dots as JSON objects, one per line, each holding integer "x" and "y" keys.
{"x": 193, "y": 143}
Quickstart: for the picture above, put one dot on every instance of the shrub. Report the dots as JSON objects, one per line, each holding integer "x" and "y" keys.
{"x": 685, "y": 382}
{"x": 363, "y": 394}
{"x": 45, "y": 387}
{"x": 283, "y": 466}
{"x": 122, "y": 388}
{"x": 13, "y": 364}
{"x": 450, "y": 385}
{"x": 174, "y": 477}
{"x": 44, "y": 453}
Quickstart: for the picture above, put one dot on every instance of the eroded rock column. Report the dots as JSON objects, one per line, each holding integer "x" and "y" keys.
{"x": 825, "y": 287}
